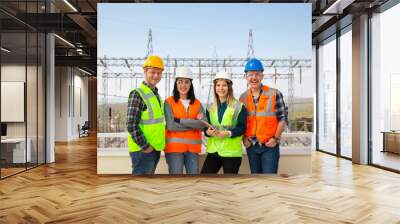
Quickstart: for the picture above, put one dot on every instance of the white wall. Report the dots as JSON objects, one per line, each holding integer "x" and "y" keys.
{"x": 70, "y": 83}
{"x": 289, "y": 163}
{"x": 33, "y": 125}
{"x": 80, "y": 85}
{"x": 13, "y": 73}
{"x": 61, "y": 103}
{"x": 314, "y": 74}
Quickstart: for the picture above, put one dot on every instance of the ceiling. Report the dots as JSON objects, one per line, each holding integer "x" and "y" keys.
{"x": 75, "y": 22}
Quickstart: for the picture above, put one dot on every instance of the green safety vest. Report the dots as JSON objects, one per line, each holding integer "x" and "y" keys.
{"x": 152, "y": 122}
{"x": 226, "y": 147}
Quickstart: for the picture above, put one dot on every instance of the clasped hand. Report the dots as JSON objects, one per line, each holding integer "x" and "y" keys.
{"x": 219, "y": 134}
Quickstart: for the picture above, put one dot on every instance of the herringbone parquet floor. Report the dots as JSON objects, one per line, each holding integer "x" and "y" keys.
{"x": 70, "y": 191}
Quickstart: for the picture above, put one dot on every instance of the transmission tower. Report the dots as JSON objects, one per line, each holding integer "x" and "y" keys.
{"x": 149, "y": 44}
{"x": 291, "y": 93}
{"x": 213, "y": 72}
{"x": 250, "y": 47}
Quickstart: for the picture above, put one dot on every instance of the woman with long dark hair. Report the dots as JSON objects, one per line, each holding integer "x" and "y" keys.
{"x": 185, "y": 118}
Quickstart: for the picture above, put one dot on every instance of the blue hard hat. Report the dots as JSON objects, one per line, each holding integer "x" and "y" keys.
{"x": 254, "y": 65}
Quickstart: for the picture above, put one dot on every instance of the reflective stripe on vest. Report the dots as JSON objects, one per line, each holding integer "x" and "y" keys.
{"x": 235, "y": 116}
{"x": 146, "y": 98}
{"x": 261, "y": 114}
{"x": 226, "y": 147}
{"x": 268, "y": 110}
{"x": 243, "y": 99}
{"x": 152, "y": 122}
{"x": 183, "y": 141}
{"x": 262, "y": 123}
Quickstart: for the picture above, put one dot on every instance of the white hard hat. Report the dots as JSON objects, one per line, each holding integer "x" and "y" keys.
{"x": 184, "y": 72}
{"x": 223, "y": 75}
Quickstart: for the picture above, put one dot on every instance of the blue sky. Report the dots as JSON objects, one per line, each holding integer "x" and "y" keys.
{"x": 195, "y": 30}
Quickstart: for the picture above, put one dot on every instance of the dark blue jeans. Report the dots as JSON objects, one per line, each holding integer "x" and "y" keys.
{"x": 263, "y": 159}
{"x": 144, "y": 163}
{"x": 177, "y": 160}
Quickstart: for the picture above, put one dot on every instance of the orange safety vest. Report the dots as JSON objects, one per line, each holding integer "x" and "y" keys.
{"x": 183, "y": 141}
{"x": 262, "y": 121}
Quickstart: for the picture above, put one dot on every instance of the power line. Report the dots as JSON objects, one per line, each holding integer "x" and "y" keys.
{"x": 207, "y": 62}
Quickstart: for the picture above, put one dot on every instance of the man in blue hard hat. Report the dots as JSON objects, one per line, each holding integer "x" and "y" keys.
{"x": 266, "y": 120}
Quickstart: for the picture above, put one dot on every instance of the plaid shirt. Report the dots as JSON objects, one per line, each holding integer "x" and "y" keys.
{"x": 281, "y": 109}
{"x": 135, "y": 107}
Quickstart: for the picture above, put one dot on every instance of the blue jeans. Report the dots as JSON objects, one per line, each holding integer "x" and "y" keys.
{"x": 144, "y": 163}
{"x": 176, "y": 161}
{"x": 263, "y": 159}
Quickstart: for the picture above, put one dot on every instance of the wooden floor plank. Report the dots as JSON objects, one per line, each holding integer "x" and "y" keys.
{"x": 70, "y": 191}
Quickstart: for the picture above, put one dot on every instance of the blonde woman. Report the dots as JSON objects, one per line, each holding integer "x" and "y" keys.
{"x": 227, "y": 117}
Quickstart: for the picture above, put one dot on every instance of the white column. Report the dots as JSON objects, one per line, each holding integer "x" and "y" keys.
{"x": 50, "y": 99}
{"x": 360, "y": 90}
{"x": 50, "y": 92}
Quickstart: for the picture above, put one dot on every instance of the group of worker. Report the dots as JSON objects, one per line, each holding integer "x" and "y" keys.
{"x": 257, "y": 119}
